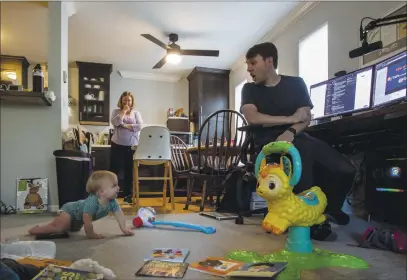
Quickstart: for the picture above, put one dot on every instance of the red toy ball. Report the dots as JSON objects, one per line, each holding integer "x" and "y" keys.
{"x": 137, "y": 222}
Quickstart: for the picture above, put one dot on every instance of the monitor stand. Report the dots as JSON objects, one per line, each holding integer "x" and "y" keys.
{"x": 320, "y": 121}
{"x": 346, "y": 115}
{"x": 334, "y": 118}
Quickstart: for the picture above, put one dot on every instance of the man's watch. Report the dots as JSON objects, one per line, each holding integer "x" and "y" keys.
{"x": 292, "y": 130}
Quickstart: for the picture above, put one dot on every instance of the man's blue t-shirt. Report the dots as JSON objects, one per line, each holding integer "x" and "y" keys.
{"x": 284, "y": 99}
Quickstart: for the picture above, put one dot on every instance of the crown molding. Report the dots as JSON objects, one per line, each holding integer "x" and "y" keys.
{"x": 281, "y": 27}
{"x": 149, "y": 76}
{"x": 70, "y": 7}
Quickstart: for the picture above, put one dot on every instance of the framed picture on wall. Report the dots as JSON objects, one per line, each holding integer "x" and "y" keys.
{"x": 32, "y": 195}
{"x": 393, "y": 37}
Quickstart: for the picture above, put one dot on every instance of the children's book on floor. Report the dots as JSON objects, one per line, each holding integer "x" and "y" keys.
{"x": 216, "y": 266}
{"x": 43, "y": 262}
{"x": 53, "y": 272}
{"x": 168, "y": 255}
{"x": 162, "y": 269}
{"x": 258, "y": 270}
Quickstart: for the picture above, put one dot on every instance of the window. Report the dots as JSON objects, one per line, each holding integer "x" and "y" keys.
{"x": 238, "y": 101}
{"x": 313, "y": 57}
{"x": 238, "y": 95}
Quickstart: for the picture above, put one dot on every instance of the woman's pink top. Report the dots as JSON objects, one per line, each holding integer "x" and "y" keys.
{"x": 124, "y": 136}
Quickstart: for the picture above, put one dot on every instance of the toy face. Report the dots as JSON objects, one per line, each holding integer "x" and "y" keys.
{"x": 270, "y": 186}
{"x": 33, "y": 188}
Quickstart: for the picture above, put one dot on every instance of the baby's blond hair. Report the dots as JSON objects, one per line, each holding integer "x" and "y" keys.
{"x": 93, "y": 184}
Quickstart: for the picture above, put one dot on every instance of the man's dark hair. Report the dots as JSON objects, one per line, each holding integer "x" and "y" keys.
{"x": 265, "y": 50}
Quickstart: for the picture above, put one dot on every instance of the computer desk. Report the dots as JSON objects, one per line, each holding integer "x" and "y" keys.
{"x": 374, "y": 128}
{"x": 378, "y": 126}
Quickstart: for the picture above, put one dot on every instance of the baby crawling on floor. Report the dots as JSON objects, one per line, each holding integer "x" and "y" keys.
{"x": 102, "y": 187}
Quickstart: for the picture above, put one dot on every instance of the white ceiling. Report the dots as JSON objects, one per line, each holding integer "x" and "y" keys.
{"x": 109, "y": 32}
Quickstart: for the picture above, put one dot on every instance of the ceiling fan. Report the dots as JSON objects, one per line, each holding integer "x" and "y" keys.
{"x": 174, "y": 51}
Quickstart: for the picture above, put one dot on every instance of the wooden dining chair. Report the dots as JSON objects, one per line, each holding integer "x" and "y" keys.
{"x": 182, "y": 162}
{"x": 153, "y": 149}
{"x": 219, "y": 145}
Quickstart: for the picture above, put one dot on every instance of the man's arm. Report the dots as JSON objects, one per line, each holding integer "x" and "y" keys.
{"x": 304, "y": 105}
{"x": 253, "y": 116}
{"x": 306, "y": 116}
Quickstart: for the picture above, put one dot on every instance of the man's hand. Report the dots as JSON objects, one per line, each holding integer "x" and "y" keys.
{"x": 301, "y": 115}
{"x": 127, "y": 232}
{"x": 95, "y": 236}
{"x": 287, "y": 136}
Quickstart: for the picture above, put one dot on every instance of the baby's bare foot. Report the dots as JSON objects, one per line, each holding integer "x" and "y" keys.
{"x": 33, "y": 228}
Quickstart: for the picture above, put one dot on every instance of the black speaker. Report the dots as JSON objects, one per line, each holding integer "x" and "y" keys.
{"x": 386, "y": 186}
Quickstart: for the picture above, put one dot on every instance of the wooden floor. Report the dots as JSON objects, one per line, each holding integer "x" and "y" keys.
{"x": 157, "y": 203}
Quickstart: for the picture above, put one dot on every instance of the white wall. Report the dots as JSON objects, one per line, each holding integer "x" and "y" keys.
{"x": 153, "y": 98}
{"x": 29, "y": 135}
{"x": 343, "y": 32}
{"x": 22, "y": 155}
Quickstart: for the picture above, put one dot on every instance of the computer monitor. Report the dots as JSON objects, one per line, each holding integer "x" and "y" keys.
{"x": 349, "y": 93}
{"x": 390, "y": 80}
{"x": 318, "y": 97}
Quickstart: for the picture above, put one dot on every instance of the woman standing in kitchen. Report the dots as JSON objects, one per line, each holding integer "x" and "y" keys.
{"x": 127, "y": 124}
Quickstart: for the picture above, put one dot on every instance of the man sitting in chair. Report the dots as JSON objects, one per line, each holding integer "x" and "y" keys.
{"x": 282, "y": 104}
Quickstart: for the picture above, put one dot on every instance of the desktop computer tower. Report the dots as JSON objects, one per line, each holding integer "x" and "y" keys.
{"x": 386, "y": 186}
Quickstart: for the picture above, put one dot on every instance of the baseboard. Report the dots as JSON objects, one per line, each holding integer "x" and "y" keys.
{"x": 53, "y": 208}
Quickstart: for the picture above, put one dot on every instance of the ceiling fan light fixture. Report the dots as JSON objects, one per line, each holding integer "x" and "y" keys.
{"x": 173, "y": 58}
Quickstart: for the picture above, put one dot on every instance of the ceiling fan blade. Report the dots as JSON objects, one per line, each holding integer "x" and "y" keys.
{"x": 160, "y": 63}
{"x": 200, "y": 52}
{"x": 155, "y": 41}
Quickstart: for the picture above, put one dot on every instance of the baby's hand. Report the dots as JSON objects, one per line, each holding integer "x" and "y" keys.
{"x": 96, "y": 236}
{"x": 127, "y": 232}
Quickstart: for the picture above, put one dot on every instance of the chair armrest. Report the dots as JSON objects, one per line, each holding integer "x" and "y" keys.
{"x": 250, "y": 127}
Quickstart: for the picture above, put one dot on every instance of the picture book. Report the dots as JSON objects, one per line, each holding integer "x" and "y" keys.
{"x": 43, "y": 262}
{"x": 216, "y": 266}
{"x": 168, "y": 255}
{"x": 53, "y": 272}
{"x": 162, "y": 269}
{"x": 258, "y": 270}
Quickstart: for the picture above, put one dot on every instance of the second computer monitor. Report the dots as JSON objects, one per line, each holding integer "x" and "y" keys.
{"x": 390, "y": 80}
{"x": 346, "y": 94}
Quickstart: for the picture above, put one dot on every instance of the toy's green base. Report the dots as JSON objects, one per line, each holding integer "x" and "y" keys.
{"x": 298, "y": 262}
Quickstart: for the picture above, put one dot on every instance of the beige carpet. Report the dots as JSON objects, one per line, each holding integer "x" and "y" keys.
{"x": 125, "y": 255}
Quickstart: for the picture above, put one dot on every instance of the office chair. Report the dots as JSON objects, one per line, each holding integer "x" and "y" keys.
{"x": 248, "y": 149}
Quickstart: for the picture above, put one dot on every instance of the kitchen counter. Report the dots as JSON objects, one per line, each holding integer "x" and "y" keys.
{"x": 100, "y": 146}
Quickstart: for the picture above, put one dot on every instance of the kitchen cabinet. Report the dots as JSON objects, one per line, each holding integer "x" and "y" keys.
{"x": 94, "y": 93}
{"x": 101, "y": 158}
{"x": 208, "y": 93}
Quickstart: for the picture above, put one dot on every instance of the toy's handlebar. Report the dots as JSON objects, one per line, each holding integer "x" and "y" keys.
{"x": 282, "y": 147}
